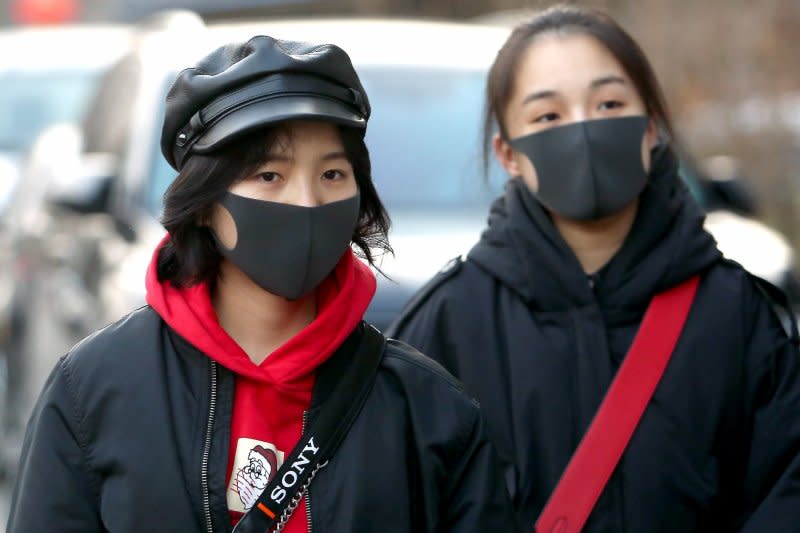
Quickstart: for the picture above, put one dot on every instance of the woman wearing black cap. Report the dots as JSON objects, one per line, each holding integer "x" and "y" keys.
{"x": 249, "y": 391}
{"x": 595, "y": 295}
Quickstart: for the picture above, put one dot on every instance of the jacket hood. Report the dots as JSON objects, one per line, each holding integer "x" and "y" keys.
{"x": 666, "y": 245}
{"x": 342, "y": 299}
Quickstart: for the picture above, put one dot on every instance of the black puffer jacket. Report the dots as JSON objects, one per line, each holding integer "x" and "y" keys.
{"x": 538, "y": 342}
{"x": 118, "y": 438}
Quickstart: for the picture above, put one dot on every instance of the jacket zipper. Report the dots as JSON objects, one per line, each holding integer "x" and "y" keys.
{"x": 207, "y": 449}
{"x": 308, "y": 490}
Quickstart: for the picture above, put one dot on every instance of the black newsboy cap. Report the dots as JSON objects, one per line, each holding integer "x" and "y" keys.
{"x": 241, "y": 87}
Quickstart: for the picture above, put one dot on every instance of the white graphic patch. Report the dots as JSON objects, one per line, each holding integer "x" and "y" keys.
{"x": 254, "y": 465}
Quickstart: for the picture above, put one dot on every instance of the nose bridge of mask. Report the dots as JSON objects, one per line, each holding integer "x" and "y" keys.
{"x": 304, "y": 248}
{"x": 592, "y": 170}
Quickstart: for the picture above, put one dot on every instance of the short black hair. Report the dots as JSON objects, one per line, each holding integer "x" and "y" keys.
{"x": 191, "y": 255}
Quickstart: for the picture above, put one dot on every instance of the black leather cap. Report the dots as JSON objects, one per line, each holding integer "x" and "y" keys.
{"x": 242, "y": 87}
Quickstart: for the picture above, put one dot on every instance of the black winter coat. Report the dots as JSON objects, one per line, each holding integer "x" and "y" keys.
{"x": 118, "y": 438}
{"x": 538, "y": 342}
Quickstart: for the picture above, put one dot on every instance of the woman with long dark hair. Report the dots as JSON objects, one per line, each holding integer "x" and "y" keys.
{"x": 594, "y": 257}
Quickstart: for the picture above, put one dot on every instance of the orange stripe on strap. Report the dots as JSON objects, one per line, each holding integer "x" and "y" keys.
{"x": 266, "y": 510}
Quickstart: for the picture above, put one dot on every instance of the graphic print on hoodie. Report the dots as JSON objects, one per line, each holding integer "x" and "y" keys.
{"x": 271, "y": 398}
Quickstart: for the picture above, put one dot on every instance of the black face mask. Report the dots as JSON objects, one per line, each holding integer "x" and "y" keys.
{"x": 288, "y": 249}
{"x": 588, "y": 170}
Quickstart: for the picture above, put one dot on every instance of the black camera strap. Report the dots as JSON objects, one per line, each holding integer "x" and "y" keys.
{"x": 320, "y": 440}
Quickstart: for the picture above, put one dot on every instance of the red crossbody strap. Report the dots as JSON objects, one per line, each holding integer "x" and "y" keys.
{"x": 611, "y": 429}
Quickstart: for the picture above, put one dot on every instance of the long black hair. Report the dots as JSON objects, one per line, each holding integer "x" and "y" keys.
{"x": 191, "y": 255}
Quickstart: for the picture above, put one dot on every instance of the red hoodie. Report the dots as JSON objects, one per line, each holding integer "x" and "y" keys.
{"x": 270, "y": 398}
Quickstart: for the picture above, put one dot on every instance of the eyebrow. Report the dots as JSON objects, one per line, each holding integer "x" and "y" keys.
{"x": 599, "y": 82}
{"x": 607, "y": 80}
{"x": 538, "y": 95}
{"x": 334, "y": 155}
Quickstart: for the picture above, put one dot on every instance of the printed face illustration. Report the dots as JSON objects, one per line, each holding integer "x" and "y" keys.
{"x": 255, "y": 475}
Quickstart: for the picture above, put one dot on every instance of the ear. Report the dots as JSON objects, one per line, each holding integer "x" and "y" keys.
{"x": 505, "y": 155}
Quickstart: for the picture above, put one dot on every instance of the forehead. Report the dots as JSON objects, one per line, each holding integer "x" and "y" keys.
{"x": 304, "y": 136}
{"x": 563, "y": 61}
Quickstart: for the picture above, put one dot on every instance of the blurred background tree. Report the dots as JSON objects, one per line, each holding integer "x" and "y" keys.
{"x": 730, "y": 68}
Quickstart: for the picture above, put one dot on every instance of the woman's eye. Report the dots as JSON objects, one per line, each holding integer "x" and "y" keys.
{"x": 332, "y": 174}
{"x": 610, "y": 104}
{"x": 547, "y": 117}
{"x": 268, "y": 177}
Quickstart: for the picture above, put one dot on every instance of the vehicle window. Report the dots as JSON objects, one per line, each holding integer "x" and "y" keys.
{"x": 424, "y": 137}
{"x": 31, "y": 101}
{"x": 424, "y": 140}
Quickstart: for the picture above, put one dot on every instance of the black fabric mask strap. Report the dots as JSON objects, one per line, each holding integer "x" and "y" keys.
{"x": 320, "y": 440}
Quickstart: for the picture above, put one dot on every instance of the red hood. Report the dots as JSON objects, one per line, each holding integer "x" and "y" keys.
{"x": 342, "y": 300}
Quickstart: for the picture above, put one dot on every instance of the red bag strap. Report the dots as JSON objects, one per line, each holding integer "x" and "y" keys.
{"x": 599, "y": 451}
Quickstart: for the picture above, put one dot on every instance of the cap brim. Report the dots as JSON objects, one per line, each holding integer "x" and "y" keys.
{"x": 260, "y": 114}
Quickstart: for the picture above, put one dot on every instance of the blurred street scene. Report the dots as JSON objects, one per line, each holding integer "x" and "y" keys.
{"x": 82, "y": 84}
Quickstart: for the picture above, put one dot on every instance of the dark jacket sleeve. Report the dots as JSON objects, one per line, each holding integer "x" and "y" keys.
{"x": 772, "y": 478}
{"x": 53, "y": 489}
{"x": 427, "y": 325}
{"x": 477, "y": 498}
{"x": 423, "y": 325}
